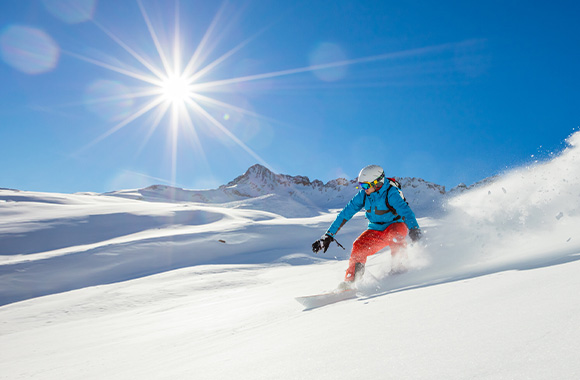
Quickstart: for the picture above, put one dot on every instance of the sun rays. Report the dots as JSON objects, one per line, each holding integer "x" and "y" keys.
{"x": 174, "y": 87}
{"x": 166, "y": 87}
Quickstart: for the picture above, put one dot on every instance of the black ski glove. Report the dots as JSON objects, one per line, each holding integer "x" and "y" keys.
{"x": 415, "y": 234}
{"x": 322, "y": 243}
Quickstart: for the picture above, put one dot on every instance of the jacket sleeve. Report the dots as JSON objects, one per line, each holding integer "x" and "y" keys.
{"x": 354, "y": 206}
{"x": 402, "y": 207}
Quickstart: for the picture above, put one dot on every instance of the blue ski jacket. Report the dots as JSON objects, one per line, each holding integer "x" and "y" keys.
{"x": 379, "y": 215}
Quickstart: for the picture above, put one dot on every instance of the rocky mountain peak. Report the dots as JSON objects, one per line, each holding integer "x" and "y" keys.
{"x": 261, "y": 175}
{"x": 288, "y": 195}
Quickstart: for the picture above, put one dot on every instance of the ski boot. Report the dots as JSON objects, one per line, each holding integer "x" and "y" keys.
{"x": 349, "y": 282}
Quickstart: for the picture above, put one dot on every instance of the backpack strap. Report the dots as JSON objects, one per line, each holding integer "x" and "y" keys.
{"x": 391, "y": 208}
{"x": 394, "y": 183}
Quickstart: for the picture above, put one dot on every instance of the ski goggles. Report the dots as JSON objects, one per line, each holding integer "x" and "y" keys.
{"x": 368, "y": 185}
{"x": 365, "y": 185}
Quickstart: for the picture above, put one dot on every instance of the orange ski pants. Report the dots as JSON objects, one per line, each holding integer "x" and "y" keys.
{"x": 372, "y": 241}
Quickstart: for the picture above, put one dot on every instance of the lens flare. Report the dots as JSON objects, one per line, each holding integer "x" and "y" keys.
{"x": 29, "y": 50}
{"x": 325, "y": 53}
{"x": 71, "y": 11}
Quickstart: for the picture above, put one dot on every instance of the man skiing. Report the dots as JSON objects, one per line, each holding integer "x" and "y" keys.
{"x": 390, "y": 220}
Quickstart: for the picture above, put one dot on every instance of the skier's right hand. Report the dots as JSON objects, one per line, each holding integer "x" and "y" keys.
{"x": 322, "y": 243}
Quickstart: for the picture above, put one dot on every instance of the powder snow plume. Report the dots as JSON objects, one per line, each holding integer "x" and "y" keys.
{"x": 509, "y": 220}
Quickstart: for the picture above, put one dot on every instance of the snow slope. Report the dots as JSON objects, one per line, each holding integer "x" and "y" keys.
{"x": 135, "y": 285}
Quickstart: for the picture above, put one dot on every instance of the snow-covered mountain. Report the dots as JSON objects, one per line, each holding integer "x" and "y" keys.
{"x": 291, "y": 196}
{"x": 149, "y": 284}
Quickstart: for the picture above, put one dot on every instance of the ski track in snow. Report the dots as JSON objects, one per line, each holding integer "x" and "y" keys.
{"x": 123, "y": 286}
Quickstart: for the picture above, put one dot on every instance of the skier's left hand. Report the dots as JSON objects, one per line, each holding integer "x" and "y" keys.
{"x": 322, "y": 243}
{"x": 415, "y": 234}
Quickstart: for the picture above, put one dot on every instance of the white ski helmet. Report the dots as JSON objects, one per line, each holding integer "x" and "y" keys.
{"x": 372, "y": 174}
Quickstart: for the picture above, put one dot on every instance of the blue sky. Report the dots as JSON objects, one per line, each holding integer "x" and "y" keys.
{"x": 108, "y": 95}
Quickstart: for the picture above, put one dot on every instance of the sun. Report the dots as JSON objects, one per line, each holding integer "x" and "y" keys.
{"x": 176, "y": 89}
{"x": 170, "y": 89}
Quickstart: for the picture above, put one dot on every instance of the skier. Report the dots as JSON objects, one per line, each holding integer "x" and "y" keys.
{"x": 390, "y": 220}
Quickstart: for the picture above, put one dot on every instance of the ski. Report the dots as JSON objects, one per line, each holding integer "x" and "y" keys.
{"x": 323, "y": 299}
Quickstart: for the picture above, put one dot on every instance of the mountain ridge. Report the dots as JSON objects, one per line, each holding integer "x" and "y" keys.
{"x": 291, "y": 196}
